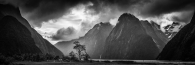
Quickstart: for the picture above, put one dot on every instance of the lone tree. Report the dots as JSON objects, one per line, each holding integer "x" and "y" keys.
{"x": 81, "y": 50}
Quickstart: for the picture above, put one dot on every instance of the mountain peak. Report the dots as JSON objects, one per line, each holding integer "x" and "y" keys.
{"x": 129, "y": 40}
{"x": 127, "y": 16}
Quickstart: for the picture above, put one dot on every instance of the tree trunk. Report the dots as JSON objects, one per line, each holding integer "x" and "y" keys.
{"x": 79, "y": 52}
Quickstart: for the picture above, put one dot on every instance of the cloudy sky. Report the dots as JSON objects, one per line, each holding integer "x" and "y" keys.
{"x": 58, "y": 20}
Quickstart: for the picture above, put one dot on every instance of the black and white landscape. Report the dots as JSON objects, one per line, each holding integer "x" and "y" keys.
{"x": 97, "y": 31}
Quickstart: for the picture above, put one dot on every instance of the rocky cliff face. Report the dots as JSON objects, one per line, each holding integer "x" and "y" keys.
{"x": 130, "y": 40}
{"x": 182, "y": 45}
{"x": 94, "y": 40}
{"x": 32, "y": 36}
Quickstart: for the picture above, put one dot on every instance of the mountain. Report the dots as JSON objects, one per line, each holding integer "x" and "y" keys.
{"x": 65, "y": 46}
{"x": 17, "y": 35}
{"x": 182, "y": 45}
{"x": 15, "y": 38}
{"x": 153, "y": 30}
{"x": 131, "y": 39}
{"x": 94, "y": 40}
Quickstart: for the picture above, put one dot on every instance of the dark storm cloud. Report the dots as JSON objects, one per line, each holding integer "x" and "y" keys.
{"x": 185, "y": 16}
{"x": 43, "y": 10}
{"x": 158, "y": 7}
{"x": 63, "y": 33}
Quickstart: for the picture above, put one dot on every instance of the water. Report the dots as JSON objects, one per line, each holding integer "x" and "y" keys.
{"x": 107, "y": 62}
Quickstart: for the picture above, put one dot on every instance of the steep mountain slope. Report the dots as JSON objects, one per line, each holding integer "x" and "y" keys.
{"x": 181, "y": 46}
{"x": 94, "y": 40}
{"x": 157, "y": 35}
{"x": 65, "y": 46}
{"x": 15, "y": 38}
{"x": 42, "y": 44}
{"x": 129, "y": 40}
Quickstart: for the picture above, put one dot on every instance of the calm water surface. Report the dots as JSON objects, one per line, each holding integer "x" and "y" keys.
{"x": 107, "y": 62}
